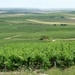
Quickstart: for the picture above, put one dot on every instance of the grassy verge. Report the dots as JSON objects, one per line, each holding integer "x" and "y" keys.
{"x": 52, "y": 71}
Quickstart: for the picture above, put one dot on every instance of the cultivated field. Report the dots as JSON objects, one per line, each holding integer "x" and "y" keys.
{"x": 33, "y": 26}
{"x": 37, "y": 41}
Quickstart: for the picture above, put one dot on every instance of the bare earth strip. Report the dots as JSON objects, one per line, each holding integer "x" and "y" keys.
{"x": 53, "y": 40}
{"x": 71, "y": 39}
{"x": 67, "y": 39}
{"x": 73, "y": 18}
{"x": 12, "y": 37}
{"x": 12, "y": 15}
{"x": 43, "y": 22}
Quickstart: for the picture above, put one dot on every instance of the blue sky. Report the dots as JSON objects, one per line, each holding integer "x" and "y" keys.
{"x": 47, "y": 4}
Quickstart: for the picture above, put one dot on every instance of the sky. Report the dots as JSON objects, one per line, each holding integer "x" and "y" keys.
{"x": 40, "y": 4}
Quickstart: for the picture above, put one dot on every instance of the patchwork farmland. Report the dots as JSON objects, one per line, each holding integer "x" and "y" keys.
{"x": 37, "y": 41}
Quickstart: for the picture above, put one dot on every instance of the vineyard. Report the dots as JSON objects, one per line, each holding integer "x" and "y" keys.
{"x": 37, "y": 56}
{"x": 37, "y": 41}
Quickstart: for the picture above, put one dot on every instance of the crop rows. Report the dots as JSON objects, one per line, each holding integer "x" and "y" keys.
{"x": 35, "y": 55}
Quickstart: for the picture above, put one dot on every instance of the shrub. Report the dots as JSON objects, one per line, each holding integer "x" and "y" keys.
{"x": 44, "y": 38}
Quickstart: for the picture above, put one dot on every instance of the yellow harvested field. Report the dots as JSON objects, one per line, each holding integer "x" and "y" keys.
{"x": 43, "y": 22}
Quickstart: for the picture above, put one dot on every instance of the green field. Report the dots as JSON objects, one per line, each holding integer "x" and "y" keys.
{"x": 21, "y": 44}
{"x": 30, "y": 27}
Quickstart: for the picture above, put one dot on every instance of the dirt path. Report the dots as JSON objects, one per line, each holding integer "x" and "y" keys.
{"x": 53, "y": 40}
{"x": 72, "y": 18}
{"x": 12, "y": 37}
{"x": 71, "y": 39}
